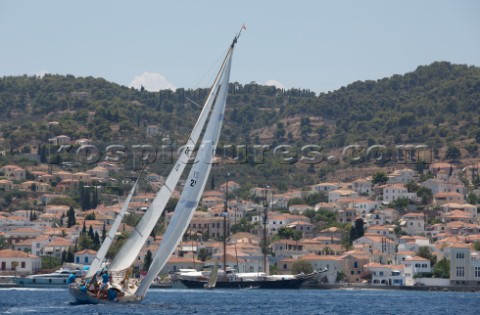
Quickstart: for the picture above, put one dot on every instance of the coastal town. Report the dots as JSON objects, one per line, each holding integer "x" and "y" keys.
{"x": 402, "y": 227}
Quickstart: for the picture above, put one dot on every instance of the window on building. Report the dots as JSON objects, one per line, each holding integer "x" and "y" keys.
{"x": 23, "y": 265}
{"x": 460, "y": 271}
{"x": 355, "y": 264}
{"x": 460, "y": 255}
{"x": 477, "y": 272}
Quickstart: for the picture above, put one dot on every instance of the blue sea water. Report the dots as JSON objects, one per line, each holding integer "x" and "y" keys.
{"x": 179, "y": 301}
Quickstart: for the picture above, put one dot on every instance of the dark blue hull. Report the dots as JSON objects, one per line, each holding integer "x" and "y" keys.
{"x": 294, "y": 283}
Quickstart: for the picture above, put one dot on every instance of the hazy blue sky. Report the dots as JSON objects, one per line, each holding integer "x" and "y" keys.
{"x": 317, "y": 45}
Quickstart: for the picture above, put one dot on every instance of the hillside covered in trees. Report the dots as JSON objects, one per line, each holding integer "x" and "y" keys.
{"x": 437, "y": 105}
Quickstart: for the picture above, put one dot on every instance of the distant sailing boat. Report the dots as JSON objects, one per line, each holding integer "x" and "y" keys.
{"x": 213, "y": 111}
{"x": 212, "y": 279}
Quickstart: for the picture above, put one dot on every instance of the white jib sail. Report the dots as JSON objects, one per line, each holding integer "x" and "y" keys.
{"x": 97, "y": 261}
{"x": 129, "y": 251}
{"x": 194, "y": 186}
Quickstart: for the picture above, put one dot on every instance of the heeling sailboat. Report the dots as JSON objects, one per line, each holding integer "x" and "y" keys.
{"x": 189, "y": 198}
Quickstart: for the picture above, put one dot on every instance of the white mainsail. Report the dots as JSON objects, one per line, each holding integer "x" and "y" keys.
{"x": 97, "y": 261}
{"x": 129, "y": 251}
{"x": 195, "y": 183}
{"x": 212, "y": 279}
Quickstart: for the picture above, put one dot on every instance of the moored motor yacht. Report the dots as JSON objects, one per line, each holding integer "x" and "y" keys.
{"x": 57, "y": 278}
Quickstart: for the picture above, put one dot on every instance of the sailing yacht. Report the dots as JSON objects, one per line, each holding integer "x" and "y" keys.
{"x": 229, "y": 278}
{"x": 210, "y": 121}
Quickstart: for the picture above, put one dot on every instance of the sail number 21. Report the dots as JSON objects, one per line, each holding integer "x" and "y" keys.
{"x": 196, "y": 174}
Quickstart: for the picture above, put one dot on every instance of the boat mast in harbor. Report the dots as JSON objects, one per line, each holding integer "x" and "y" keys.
{"x": 225, "y": 214}
{"x": 265, "y": 220}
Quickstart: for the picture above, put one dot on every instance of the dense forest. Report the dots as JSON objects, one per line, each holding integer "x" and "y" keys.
{"x": 437, "y": 105}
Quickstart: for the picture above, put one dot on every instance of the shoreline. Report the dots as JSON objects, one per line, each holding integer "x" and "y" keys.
{"x": 340, "y": 286}
{"x": 345, "y": 286}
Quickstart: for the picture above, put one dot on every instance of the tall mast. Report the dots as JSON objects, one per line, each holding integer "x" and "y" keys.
{"x": 265, "y": 209}
{"x": 225, "y": 214}
{"x": 265, "y": 221}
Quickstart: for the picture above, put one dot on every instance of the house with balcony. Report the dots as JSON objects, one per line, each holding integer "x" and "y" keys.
{"x": 306, "y": 228}
{"x": 416, "y": 266}
{"x": 14, "y": 172}
{"x": 383, "y": 275}
{"x": 397, "y": 191}
{"x": 353, "y": 263}
{"x": 347, "y": 215}
{"x": 375, "y": 217}
{"x": 18, "y": 262}
{"x": 413, "y": 223}
{"x": 287, "y": 248}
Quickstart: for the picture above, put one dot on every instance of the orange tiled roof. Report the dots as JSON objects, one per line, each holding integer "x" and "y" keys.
{"x": 8, "y": 253}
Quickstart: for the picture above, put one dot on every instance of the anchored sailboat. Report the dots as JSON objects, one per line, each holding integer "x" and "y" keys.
{"x": 213, "y": 111}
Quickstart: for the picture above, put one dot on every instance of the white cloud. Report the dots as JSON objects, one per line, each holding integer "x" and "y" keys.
{"x": 275, "y": 83}
{"x": 151, "y": 81}
{"x": 41, "y": 74}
